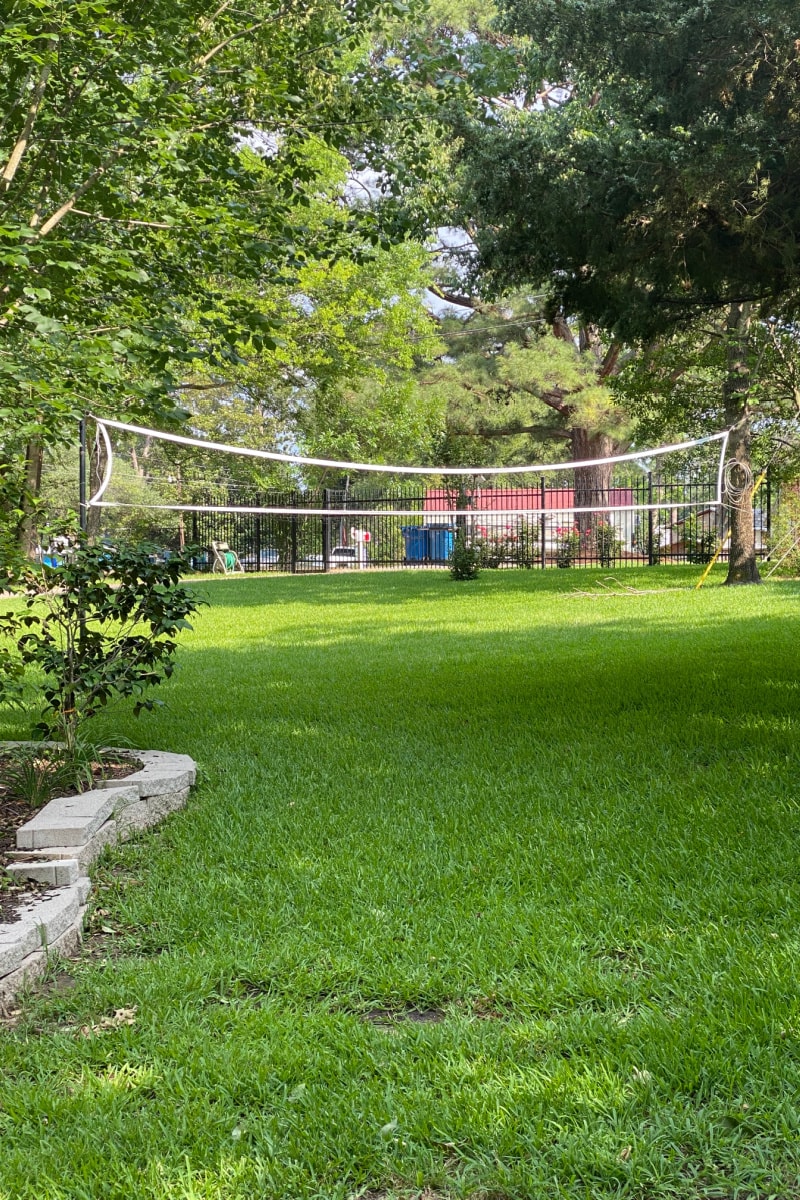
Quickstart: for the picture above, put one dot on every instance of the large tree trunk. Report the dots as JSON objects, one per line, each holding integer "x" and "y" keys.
{"x": 742, "y": 564}
{"x": 592, "y": 484}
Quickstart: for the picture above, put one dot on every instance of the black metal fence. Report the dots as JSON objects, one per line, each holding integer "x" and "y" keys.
{"x": 648, "y": 520}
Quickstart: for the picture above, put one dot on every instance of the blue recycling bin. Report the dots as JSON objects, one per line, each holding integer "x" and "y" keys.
{"x": 416, "y": 542}
{"x": 441, "y": 539}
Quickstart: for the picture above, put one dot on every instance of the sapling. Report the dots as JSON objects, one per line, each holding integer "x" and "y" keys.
{"x": 100, "y": 626}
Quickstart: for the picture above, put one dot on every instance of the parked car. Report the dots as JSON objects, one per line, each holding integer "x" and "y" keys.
{"x": 267, "y": 558}
{"x": 340, "y": 556}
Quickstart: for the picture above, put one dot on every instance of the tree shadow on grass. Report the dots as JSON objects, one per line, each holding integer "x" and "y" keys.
{"x": 401, "y": 586}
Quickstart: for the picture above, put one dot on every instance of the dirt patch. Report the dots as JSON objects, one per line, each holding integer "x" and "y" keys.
{"x": 386, "y": 1018}
{"x": 425, "y": 1194}
{"x": 13, "y": 813}
{"x": 60, "y": 983}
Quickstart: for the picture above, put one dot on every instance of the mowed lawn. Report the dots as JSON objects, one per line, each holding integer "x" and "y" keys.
{"x": 487, "y": 889}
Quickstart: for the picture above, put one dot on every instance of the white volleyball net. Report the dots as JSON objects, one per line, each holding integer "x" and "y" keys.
{"x": 281, "y": 510}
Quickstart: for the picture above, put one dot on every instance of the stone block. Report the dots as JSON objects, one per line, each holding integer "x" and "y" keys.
{"x": 156, "y": 777}
{"x": 129, "y": 783}
{"x": 56, "y": 831}
{"x": 133, "y": 818}
{"x": 69, "y": 821}
{"x": 53, "y": 913}
{"x": 58, "y": 872}
{"x": 107, "y": 836}
{"x": 149, "y": 811}
{"x": 31, "y": 968}
{"x": 11, "y": 957}
{"x": 164, "y": 760}
{"x": 34, "y": 963}
{"x": 84, "y": 886}
{"x": 157, "y": 782}
{"x": 23, "y": 934}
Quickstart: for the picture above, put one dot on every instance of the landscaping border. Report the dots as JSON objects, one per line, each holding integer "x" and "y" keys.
{"x": 59, "y": 844}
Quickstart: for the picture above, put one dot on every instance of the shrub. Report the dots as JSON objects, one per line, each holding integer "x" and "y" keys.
{"x": 464, "y": 559}
{"x": 606, "y": 542}
{"x": 700, "y": 543}
{"x": 101, "y": 626}
{"x": 568, "y": 545}
{"x": 491, "y": 551}
{"x": 514, "y": 547}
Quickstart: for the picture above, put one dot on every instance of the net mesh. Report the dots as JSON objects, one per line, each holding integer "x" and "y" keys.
{"x": 277, "y": 511}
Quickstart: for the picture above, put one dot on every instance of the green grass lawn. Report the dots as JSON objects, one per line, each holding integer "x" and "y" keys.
{"x": 569, "y": 826}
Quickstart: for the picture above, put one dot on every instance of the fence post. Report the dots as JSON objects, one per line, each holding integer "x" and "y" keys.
{"x": 768, "y": 485}
{"x": 258, "y": 543}
{"x": 543, "y": 520}
{"x": 326, "y": 531}
{"x": 650, "y": 547}
{"x": 294, "y": 543}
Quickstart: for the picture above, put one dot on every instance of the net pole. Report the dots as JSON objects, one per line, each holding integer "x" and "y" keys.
{"x": 83, "y": 504}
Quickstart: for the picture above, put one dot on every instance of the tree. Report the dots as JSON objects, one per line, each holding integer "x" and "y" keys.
{"x": 673, "y": 159}
{"x": 148, "y": 156}
{"x": 337, "y": 383}
{"x": 515, "y": 383}
{"x": 660, "y": 186}
{"x": 680, "y": 386}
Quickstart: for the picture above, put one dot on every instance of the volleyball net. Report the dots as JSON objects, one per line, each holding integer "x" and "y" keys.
{"x": 282, "y": 510}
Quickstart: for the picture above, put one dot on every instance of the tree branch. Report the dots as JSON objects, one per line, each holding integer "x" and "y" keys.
{"x": 203, "y": 387}
{"x": 80, "y": 212}
{"x": 562, "y": 330}
{"x": 240, "y": 33}
{"x": 609, "y": 363}
{"x": 10, "y": 169}
{"x": 485, "y": 432}
{"x": 58, "y": 216}
{"x": 456, "y": 298}
{"x": 554, "y": 397}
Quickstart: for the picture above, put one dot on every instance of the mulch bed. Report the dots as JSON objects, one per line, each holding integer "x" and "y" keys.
{"x": 14, "y": 812}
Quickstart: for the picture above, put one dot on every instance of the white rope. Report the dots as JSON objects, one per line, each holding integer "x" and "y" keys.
{"x": 738, "y": 492}
{"x": 305, "y": 460}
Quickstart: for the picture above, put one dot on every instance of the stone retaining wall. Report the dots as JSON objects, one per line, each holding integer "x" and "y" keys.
{"x": 57, "y": 846}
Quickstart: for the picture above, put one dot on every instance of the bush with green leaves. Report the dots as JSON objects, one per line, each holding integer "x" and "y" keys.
{"x": 465, "y": 558}
{"x": 699, "y": 540}
{"x": 101, "y": 626}
{"x": 491, "y": 551}
{"x": 568, "y": 545}
{"x": 607, "y": 544}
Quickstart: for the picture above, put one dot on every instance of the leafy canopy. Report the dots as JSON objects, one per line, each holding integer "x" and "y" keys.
{"x": 665, "y": 181}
